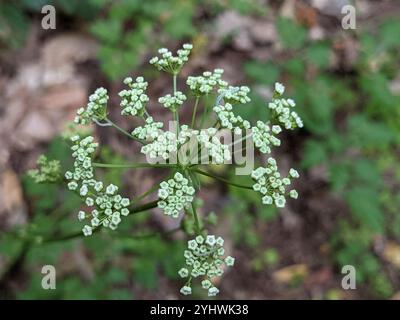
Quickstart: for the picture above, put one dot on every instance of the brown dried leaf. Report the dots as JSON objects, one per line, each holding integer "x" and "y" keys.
{"x": 290, "y": 273}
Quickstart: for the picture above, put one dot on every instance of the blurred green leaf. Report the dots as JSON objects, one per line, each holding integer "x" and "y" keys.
{"x": 314, "y": 154}
{"x": 318, "y": 54}
{"x": 265, "y": 73}
{"x": 365, "y": 207}
{"x": 292, "y": 35}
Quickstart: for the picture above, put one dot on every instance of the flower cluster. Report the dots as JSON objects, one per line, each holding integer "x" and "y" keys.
{"x": 108, "y": 206}
{"x": 133, "y": 101}
{"x": 229, "y": 120}
{"x": 175, "y": 194}
{"x": 203, "y": 85}
{"x": 205, "y": 255}
{"x": 271, "y": 186}
{"x": 281, "y": 109}
{"x": 149, "y": 131}
{"x": 172, "y": 102}
{"x": 169, "y": 63}
{"x": 204, "y": 258}
{"x": 264, "y": 136}
{"x": 83, "y": 149}
{"x": 234, "y": 95}
{"x": 218, "y": 152}
{"x": 163, "y": 145}
{"x": 49, "y": 170}
{"x": 96, "y": 108}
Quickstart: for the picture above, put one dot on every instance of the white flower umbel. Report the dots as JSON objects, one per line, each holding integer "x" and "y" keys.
{"x": 175, "y": 194}
{"x": 204, "y": 259}
{"x": 150, "y": 131}
{"x": 83, "y": 150}
{"x": 172, "y": 102}
{"x": 162, "y": 146}
{"x": 205, "y": 84}
{"x": 235, "y": 95}
{"x": 133, "y": 101}
{"x": 270, "y": 184}
{"x": 104, "y": 206}
{"x": 96, "y": 108}
{"x": 264, "y": 137}
{"x": 107, "y": 206}
{"x": 281, "y": 110}
{"x": 49, "y": 170}
{"x": 228, "y": 119}
{"x": 218, "y": 152}
{"x": 169, "y": 63}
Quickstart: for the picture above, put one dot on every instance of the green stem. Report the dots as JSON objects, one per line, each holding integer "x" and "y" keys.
{"x": 222, "y": 179}
{"x": 205, "y": 112}
{"x": 124, "y": 131}
{"x": 144, "y": 207}
{"x": 175, "y": 112}
{"x": 216, "y": 124}
{"x": 148, "y": 235}
{"x": 131, "y": 165}
{"x": 144, "y": 195}
{"x": 195, "y": 111}
{"x": 196, "y": 219}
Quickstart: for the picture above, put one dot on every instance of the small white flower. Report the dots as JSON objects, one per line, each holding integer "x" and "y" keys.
{"x": 280, "y": 202}
{"x": 125, "y": 202}
{"x": 192, "y": 244}
{"x": 186, "y": 290}
{"x": 293, "y": 194}
{"x": 213, "y": 291}
{"x": 84, "y": 190}
{"x": 95, "y": 222}
{"x": 98, "y": 186}
{"x": 206, "y": 284}
{"x": 111, "y": 189}
{"x": 229, "y": 261}
{"x": 183, "y": 273}
{"x": 81, "y": 215}
{"x": 72, "y": 185}
{"x": 276, "y": 129}
{"x": 293, "y": 173}
{"x": 279, "y": 88}
{"x": 87, "y": 230}
{"x": 200, "y": 239}
{"x": 211, "y": 240}
{"x": 267, "y": 200}
{"x": 89, "y": 201}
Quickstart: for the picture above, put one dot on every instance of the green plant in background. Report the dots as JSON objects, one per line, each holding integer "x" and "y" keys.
{"x": 121, "y": 27}
{"x": 181, "y": 151}
{"x": 15, "y": 16}
{"x": 125, "y": 27}
{"x": 356, "y": 153}
{"x": 144, "y": 255}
